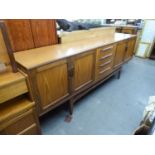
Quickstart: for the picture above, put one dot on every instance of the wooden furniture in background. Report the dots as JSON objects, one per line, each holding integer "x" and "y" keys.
{"x": 27, "y": 34}
{"x": 126, "y": 29}
{"x": 6, "y": 54}
{"x": 17, "y": 108}
{"x": 20, "y": 34}
{"x": 44, "y": 32}
{"x": 18, "y": 117}
{"x": 65, "y": 72}
{"x": 12, "y": 85}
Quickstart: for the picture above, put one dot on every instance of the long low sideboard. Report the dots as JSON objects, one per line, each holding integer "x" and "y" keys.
{"x": 65, "y": 72}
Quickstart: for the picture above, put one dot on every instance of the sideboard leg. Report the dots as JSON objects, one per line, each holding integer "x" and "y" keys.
{"x": 71, "y": 104}
{"x": 118, "y": 74}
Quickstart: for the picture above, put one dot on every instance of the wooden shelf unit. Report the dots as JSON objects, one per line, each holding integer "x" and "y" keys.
{"x": 17, "y": 110}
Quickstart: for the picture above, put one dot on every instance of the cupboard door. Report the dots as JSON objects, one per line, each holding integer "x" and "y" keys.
{"x": 130, "y": 49}
{"x": 119, "y": 55}
{"x": 44, "y": 32}
{"x": 83, "y": 70}
{"x": 20, "y": 35}
{"x": 52, "y": 83}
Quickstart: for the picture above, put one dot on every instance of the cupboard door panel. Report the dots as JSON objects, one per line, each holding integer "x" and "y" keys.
{"x": 130, "y": 49}
{"x": 52, "y": 82}
{"x": 20, "y": 35}
{"x": 120, "y": 53}
{"x": 83, "y": 70}
{"x": 44, "y": 32}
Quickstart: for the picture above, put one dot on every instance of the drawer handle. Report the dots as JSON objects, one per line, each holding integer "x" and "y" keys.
{"x": 105, "y": 70}
{"x": 102, "y": 58}
{"x": 106, "y": 49}
{"x": 106, "y": 63}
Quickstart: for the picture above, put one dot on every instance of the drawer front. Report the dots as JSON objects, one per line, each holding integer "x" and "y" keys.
{"x": 104, "y": 66}
{"x": 104, "y": 62}
{"x": 12, "y": 90}
{"x": 106, "y": 51}
{"x": 105, "y": 72}
{"x": 32, "y": 130}
{"x": 20, "y": 125}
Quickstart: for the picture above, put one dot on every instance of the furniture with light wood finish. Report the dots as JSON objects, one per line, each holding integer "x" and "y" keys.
{"x": 127, "y": 29}
{"x": 104, "y": 61}
{"x": 7, "y": 59}
{"x": 18, "y": 117}
{"x": 66, "y": 72}
{"x": 82, "y": 70}
{"x": 120, "y": 53}
{"x": 130, "y": 48}
{"x": 12, "y": 85}
{"x": 17, "y": 110}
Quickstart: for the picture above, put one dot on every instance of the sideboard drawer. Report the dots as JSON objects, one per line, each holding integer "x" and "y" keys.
{"x": 106, "y": 51}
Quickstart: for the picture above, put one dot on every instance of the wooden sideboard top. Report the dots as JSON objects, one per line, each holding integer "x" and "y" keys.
{"x": 39, "y": 56}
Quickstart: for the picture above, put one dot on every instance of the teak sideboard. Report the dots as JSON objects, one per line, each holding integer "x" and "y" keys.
{"x": 65, "y": 72}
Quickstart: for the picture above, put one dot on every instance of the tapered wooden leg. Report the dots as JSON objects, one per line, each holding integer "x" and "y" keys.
{"x": 118, "y": 74}
{"x": 71, "y": 104}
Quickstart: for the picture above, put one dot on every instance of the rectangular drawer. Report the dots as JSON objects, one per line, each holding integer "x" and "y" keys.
{"x": 107, "y": 51}
{"x": 103, "y": 61}
{"x": 32, "y": 130}
{"x": 12, "y": 90}
{"x": 21, "y": 124}
{"x": 104, "y": 72}
{"x": 105, "y": 66}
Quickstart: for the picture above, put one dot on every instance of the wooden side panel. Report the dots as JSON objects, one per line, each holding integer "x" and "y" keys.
{"x": 130, "y": 49}
{"x": 44, "y": 32}
{"x": 119, "y": 55}
{"x": 52, "y": 83}
{"x": 20, "y": 34}
{"x": 83, "y": 70}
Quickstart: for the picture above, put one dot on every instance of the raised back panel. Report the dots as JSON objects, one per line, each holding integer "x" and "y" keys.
{"x": 87, "y": 34}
